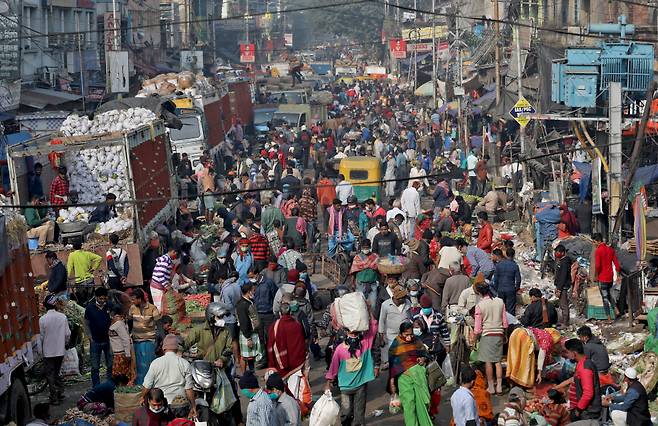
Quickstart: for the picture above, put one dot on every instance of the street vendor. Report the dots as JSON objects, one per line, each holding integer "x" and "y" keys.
{"x": 59, "y": 188}
{"x": 105, "y": 211}
{"x": 41, "y": 226}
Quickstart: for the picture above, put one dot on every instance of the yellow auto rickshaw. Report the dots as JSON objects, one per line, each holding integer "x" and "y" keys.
{"x": 365, "y": 174}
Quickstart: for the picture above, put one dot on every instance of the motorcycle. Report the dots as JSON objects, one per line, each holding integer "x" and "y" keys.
{"x": 204, "y": 377}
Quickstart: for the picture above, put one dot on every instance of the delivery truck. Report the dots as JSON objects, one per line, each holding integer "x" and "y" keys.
{"x": 299, "y": 115}
{"x": 20, "y": 346}
{"x": 144, "y": 154}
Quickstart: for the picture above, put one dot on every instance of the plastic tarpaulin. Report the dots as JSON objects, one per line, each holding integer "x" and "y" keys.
{"x": 646, "y": 175}
{"x": 585, "y": 185}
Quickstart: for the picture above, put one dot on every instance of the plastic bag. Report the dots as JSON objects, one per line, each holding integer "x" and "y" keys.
{"x": 70, "y": 363}
{"x": 447, "y": 369}
{"x": 224, "y": 398}
{"x": 394, "y": 405}
{"x": 325, "y": 411}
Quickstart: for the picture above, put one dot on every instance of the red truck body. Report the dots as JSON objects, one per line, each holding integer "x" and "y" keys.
{"x": 241, "y": 102}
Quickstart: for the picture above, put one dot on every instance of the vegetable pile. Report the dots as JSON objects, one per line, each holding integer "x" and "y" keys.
{"x": 108, "y": 122}
{"x": 197, "y": 303}
{"x": 95, "y": 172}
{"x": 73, "y": 415}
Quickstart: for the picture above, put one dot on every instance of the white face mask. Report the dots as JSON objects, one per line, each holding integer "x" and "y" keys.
{"x": 220, "y": 323}
{"x": 156, "y": 411}
{"x": 222, "y": 260}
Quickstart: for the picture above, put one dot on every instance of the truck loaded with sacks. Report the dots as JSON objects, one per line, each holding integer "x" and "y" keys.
{"x": 19, "y": 320}
{"x": 123, "y": 151}
{"x": 199, "y": 104}
{"x": 207, "y": 108}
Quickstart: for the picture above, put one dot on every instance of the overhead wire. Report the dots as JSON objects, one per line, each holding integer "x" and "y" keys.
{"x": 356, "y": 2}
{"x": 289, "y": 188}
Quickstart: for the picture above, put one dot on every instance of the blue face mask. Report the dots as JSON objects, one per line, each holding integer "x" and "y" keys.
{"x": 427, "y": 311}
{"x": 273, "y": 396}
{"x": 303, "y": 276}
{"x": 246, "y": 392}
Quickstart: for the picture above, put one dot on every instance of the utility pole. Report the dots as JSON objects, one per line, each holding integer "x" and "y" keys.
{"x": 519, "y": 83}
{"x": 82, "y": 75}
{"x": 433, "y": 54}
{"x": 614, "y": 153}
{"x": 459, "y": 89}
{"x": 246, "y": 21}
{"x": 497, "y": 45}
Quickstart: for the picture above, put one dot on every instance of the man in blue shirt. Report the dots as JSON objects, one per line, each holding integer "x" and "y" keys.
{"x": 632, "y": 407}
{"x": 479, "y": 259}
{"x": 507, "y": 281}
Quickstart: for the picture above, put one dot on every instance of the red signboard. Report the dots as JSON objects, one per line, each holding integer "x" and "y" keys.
{"x": 398, "y": 48}
{"x": 247, "y": 53}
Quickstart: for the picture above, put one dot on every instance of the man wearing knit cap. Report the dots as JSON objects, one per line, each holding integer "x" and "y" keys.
{"x": 287, "y": 409}
{"x": 55, "y": 332}
{"x": 437, "y": 327}
{"x": 261, "y": 409}
{"x": 171, "y": 373}
{"x": 393, "y": 312}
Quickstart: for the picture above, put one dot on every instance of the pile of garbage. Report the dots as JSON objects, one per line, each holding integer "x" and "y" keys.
{"x": 167, "y": 84}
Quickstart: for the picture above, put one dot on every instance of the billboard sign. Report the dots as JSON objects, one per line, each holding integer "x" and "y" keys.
{"x": 398, "y": 48}
{"x": 247, "y": 53}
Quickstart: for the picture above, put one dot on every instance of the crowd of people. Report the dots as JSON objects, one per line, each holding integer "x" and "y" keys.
{"x": 450, "y": 315}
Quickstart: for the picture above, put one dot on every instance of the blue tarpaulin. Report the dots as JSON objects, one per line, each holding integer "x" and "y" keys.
{"x": 585, "y": 186}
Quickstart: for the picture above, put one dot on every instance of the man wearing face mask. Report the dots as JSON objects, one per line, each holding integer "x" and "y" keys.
{"x": 248, "y": 321}
{"x": 286, "y": 407}
{"x": 393, "y": 312}
{"x": 275, "y": 272}
{"x": 261, "y": 409}
{"x": 437, "y": 327}
{"x": 243, "y": 260}
{"x": 285, "y": 351}
{"x": 263, "y": 299}
{"x": 221, "y": 268}
{"x": 355, "y": 363}
{"x": 213, "y": 341}
{"x": 364, "y": 273}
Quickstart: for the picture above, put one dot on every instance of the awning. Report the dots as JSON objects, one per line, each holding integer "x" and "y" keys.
{"x": 40, "y": 98}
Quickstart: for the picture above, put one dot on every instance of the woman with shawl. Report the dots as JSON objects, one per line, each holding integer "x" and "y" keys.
{"x": 522, "y": 364}
{"x": 407, "y": 356}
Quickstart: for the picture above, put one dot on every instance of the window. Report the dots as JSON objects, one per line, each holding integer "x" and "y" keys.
{"x": 191, "y": 130}
{"x": 28, "y": 16}
{"x": 576, "y": 12}
{"x": 358, "y": 175}
{"x": 530, "y": 9}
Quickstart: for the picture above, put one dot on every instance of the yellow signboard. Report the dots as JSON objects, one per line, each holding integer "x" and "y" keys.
{"x": 520, "y": 111}
{"x": 424, "y": 33}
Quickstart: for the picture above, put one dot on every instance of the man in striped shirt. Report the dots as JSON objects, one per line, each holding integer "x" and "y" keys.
{"x": 161, "y": 278}
{"x": 260, "y": 248}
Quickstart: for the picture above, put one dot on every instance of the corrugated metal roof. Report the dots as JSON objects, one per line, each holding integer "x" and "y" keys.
{"x": 40, "y": 98}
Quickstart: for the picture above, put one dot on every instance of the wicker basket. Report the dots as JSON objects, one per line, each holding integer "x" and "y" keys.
{"x": 385, "y": 267}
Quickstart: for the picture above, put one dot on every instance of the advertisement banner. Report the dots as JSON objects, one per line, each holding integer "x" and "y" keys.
{"x": 9, "y": 41}
{"x": 247, "y": 53}
{"x": 398, "y": 48}
{"x": 597, "y": 201}
{"x": 118, "y": 69}
{"x": 288, "y": 39}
